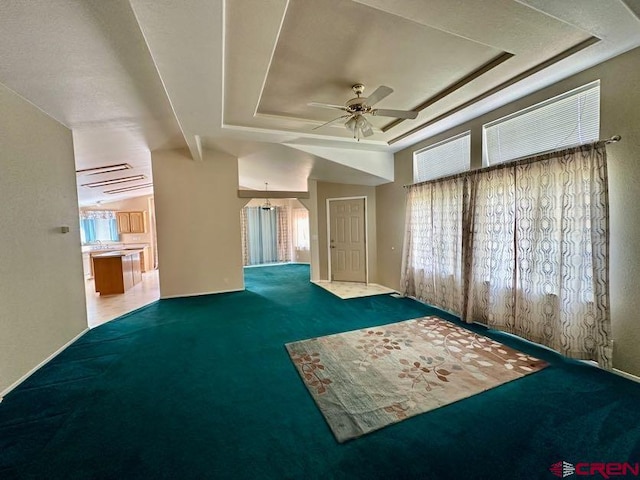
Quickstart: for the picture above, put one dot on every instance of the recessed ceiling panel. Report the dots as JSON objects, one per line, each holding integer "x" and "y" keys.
{"x": 326, "y": 47}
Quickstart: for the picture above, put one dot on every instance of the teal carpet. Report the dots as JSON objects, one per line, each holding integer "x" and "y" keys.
{"x": 202, "y": 387}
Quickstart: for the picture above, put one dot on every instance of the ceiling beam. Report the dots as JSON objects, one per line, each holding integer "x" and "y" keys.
{"x": 531, "y": 71}
{"x": 503, "y": 57}
{"x": 271, "y": 194}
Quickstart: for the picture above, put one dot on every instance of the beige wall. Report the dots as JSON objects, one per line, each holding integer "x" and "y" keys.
{"x": 198, "y": 223}
{"x": 42, "y": 304}
{"x": 312, "y": 205}
{"x": 620, "y": 115}
{"x": 327, "y": 190}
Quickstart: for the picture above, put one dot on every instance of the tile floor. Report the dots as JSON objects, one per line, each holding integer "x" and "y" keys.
{"x": 102, "y": 308}
{"x": 347, "y": 290}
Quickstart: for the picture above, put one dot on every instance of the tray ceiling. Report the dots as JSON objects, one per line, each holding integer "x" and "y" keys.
{"x": 130, "y": 76}
{"x": 433, "y": 59}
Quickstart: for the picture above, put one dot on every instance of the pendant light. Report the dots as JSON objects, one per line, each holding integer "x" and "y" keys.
{"x": 267, "y": 204}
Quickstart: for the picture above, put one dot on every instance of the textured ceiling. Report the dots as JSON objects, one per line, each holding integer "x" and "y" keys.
{"x": 132, "y": 76}
{"x": 432, "y": 57}
{"x": 326, "y": 47}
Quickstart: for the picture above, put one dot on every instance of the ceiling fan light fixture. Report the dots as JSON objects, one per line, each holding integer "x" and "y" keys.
{"x": 351, "y": 125}
{"x": 367, "y": 131}
{"x": 356, "y": 109}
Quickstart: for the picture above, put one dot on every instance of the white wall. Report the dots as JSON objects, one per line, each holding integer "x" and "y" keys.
{"x": 198, "y": 223}
{"x": 42, "y": 303}
{"x": 620, "y": 115}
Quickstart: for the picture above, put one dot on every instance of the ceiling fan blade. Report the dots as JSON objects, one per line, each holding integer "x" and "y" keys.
{"x": 381, "y": 112}
{"x": 330, "y": 122}
{"x": 379, "y": 93}
{"x": 327, "y": 105}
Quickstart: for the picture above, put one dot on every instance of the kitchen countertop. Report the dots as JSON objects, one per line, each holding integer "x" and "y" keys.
{"x": 118, "y": 253}
{"x": 93, "y": 249}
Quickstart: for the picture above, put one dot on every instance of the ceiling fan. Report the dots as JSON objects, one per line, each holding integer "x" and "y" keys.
{"x": 358, "y": 107}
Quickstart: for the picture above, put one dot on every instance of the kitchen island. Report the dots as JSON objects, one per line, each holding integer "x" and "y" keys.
{"x": 116, "y": 272}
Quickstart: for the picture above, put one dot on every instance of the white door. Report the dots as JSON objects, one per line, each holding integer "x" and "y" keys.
{"x": 347, "y": 240}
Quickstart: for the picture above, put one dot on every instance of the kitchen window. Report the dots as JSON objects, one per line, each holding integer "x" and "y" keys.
{"x": 98, "y": 226}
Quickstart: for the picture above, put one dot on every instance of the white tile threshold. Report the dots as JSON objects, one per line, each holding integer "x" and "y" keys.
{"x": 346, "y": 290}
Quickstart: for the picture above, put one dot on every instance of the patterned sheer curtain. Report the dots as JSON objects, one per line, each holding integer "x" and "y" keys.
{"x": 243, "y": 235}
{"x": 540, "y": 252}
{"x": 432, "y": 253}
{"x": 490, "y": 270}
{"x": 284, "y": 235}
{"x": 534, "y": 249}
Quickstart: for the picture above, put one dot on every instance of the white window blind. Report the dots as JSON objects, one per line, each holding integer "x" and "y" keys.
{"x": 563, "y": 121}
{"x": 448, "y": 157}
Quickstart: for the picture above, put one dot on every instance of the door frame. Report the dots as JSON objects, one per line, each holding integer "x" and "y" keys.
{"x": 366, "y": 235}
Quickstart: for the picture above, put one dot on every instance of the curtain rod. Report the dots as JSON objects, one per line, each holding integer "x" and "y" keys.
{"x": 614, "y": 139}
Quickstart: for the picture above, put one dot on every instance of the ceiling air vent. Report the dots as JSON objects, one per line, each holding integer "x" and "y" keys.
{"x": 105, "y": 169}
{"x": 113, "y": 181}
{"x": 127, "y": 189}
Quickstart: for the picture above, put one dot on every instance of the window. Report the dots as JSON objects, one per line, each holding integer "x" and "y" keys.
{"x": 448, "y": 157}
{"x": 525, "y": 253}
{"x": 569, "y": 119}
{"x": 98, "y": 225}
{"x": 300, "y": 229}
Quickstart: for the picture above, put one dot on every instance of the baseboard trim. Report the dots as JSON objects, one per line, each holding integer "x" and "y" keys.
{"x": 166, "y": 297}
{"x": 624, "y": 374}
{"x": 40, "y": 365}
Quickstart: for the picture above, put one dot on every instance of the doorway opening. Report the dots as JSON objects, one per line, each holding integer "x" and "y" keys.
{"x": 275, "y": 233}
{"x": 124, "y": 228}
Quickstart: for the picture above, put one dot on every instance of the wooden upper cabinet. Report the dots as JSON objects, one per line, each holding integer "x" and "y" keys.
{"x": 136, "y": 222}
{"x": 131, "y": 222}
{"x": 124, "y": 225}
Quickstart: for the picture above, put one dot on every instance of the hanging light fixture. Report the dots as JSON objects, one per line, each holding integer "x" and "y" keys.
{"x": 267, "y": 204}
{"x": 359, "y": 127}
{"x": 351, "y": 125}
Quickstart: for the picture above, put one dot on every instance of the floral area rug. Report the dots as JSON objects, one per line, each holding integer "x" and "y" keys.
{"x": 366, "y": 379}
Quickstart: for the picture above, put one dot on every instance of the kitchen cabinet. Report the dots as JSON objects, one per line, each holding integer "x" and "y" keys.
{"x": 144, "y": 259}
{"x": 116, "y": 272}
{"x": 131, "y": 222}
{"x": 136, "y": 222}
{"x": 87, "y": 266}
{"x": 124, "y": 225}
